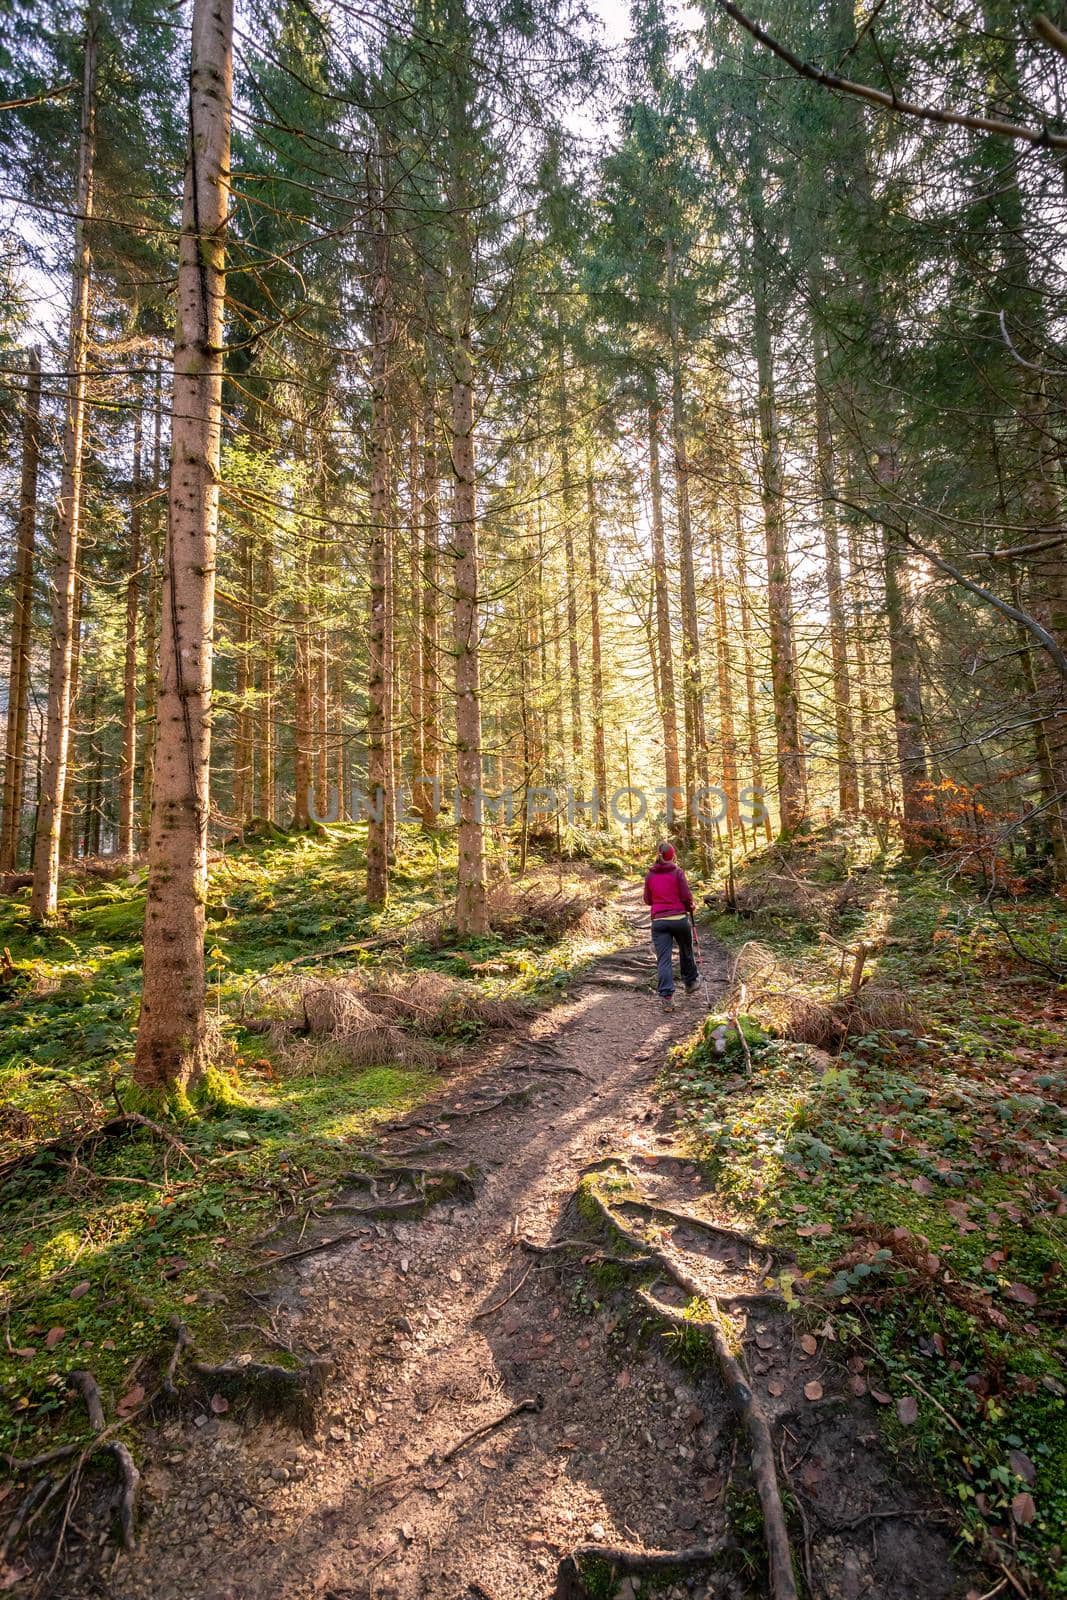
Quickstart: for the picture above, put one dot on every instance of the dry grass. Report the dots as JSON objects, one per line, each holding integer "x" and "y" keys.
{"x": 398, "y": 1018}
{"x": 763, "y": 987}
{"x": 536, "y": 910}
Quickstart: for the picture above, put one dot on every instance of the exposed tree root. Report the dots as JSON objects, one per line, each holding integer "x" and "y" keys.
{"x": 87, "y": 1387}
{"x": 701, "y": 1224}
{"x": 70, "y": 1144}
{"x": 626, "y": 1560}
{"x": 724, "y": 1341}
{"x": 288, "y": 1393}
{"x": 447, "y": 1180}
{"x": 181, "y": 1344}
{"x": 130, "y": 1493}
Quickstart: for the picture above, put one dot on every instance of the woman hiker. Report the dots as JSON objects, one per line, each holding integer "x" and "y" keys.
{"x": 668, "y": 895}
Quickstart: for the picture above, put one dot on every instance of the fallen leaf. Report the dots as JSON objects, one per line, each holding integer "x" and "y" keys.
{"x": 809, "y": 1344}
{"x": 815, "y": 1230}
{"x": 53, "y": 1336}
{"x": 858, "y": 1385}
{"x": 813, "y": 1390}
{"x": 219, "y": 1404}
{"x": 774, "y": 1387}
{"x": 623, "y": 1379}
{"x": 26, "y": 1352}
{"x": 1017, "y": 1291}
{"x": 907, "y": 1409}
{"x": 1023, "y": 1509}
{"x": 131, "y": 1398}
{"x": 80, "y": 1288}
{"x": 882, "y": 1398}
{"x": 1021, "y": 1464}
{"x": 922, "y": 1186}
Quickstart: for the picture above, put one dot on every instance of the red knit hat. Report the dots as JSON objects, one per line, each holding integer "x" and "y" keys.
{"x": 666, "y": 852}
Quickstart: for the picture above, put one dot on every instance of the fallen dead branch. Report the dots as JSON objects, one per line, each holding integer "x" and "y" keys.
{"x": 500, "y": 1304}
{"x": 627, "y": 1560}
{"x": 533, "y": 1403}
{"x": 71, "y": 1144}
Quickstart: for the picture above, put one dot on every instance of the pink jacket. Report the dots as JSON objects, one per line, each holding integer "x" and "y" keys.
{"x": 667, "y": 891}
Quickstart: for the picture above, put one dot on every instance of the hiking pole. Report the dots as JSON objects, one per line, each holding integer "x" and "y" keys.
{"x": 696, "y": 952}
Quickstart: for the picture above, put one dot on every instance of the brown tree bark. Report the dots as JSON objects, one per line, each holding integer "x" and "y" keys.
{"x": 672, "y": 770}
{"x": 380, "y": 663}
{"x": 43, "y": 897}
{"x": 472, "y": 901}
{"x": 596, "y": 666}
{"x": 847, "y": 775}
{"x": 696, "y": 774}
{"x": 727, "y": 726}
{"x": 71, "y": 803}
{"x": 903, "y": 659}
{"x": 427, "y": 794}
{"x": 171, "y": 1035}
{"x": 755, "y": 753}
{"x": 18, "y": 683}
{"x": 568, "y": 515}
{"x": 128, "y": 771}
{"x": 242, "y": 741}
{"x": 876, "y": 795}
{"x": 302, "y": 702}
{"x": 265, "y": 687}
{"x": 154, "y": 583}
{"x": 792, "y": 777}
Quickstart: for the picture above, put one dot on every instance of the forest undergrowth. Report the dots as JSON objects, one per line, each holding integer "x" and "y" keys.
{"x": 885, "y": 1094}
{"x": 112, "y": 1232}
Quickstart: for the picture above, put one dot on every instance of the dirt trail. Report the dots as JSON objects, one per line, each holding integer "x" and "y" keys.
{"x": 438, "y": 1326}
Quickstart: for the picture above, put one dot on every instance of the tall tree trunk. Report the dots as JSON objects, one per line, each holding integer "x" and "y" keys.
{"x": 472, "y": 901}
{"x": 18, "y": 683}
{"x": 320, "y": 646}
{"x": 727, "y": 727}
{"x": 380, "y": 664}
{"x": 427, "y": 795}
{"x": 873, "y": 799}
{"x": 265, "y": 687}
{"x": 903, "y": 658}
{"x": 567, "y": 497}
{"x": 672, "y": 770}
{"x": 171, "y": 1042}
{"x": 755, "y": 753}
{"x": 847, "y": 776}
{"x": 70, "y": 786}
{"x": 154, "y": 578}
{"x": 792, "y": 780}
{"x": 696, "y": 775}
{"x": 43, "y": 898}
{"x": 416, "y": 564}
{"x": 600, "y": 757}
{"x": 127, "y": 781}
{"x": 302, "y": 707}
{"x": 242, "y": 741}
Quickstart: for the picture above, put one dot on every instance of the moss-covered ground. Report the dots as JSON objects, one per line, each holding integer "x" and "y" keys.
{"x": 106, "y": 1245}
{"x": 917, "y": 1172}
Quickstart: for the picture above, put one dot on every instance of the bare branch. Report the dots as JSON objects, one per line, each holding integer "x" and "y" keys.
{"x": 1039, "y": 137}
{"x": 1046, "y": 29}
